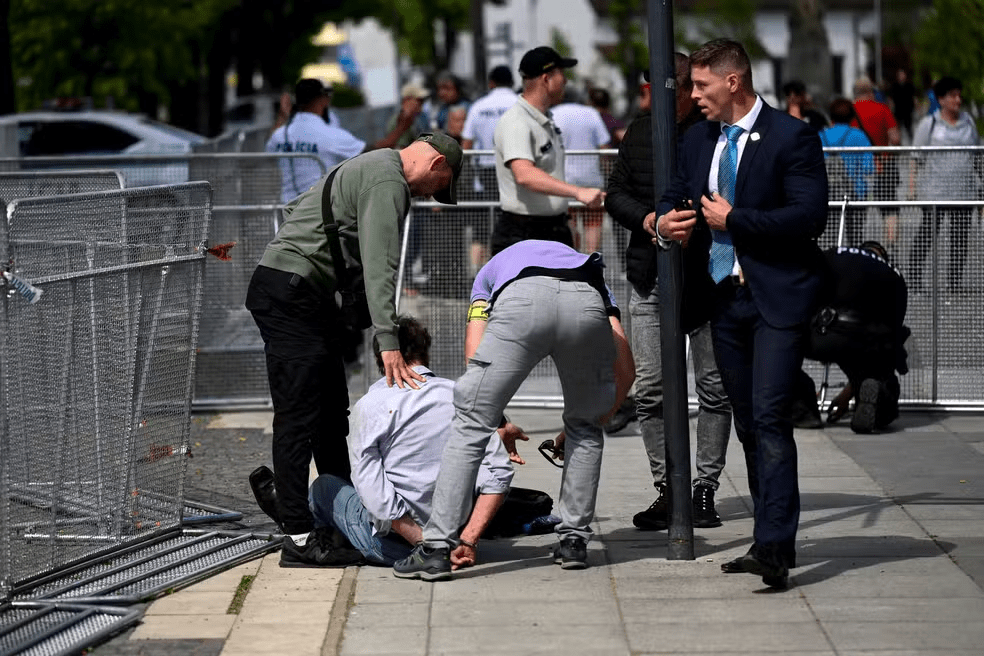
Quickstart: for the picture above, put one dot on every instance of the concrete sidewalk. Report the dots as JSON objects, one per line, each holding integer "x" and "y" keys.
{"x": 890, "y": 554}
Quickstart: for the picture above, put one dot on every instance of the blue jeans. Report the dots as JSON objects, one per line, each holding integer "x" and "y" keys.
{"x": 334, "y": 502}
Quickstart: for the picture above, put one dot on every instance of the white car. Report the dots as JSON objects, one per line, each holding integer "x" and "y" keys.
{"x": 76, "y": 135}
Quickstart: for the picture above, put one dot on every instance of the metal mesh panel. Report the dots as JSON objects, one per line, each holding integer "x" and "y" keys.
{"x": 28, "y": 184}
{"x": 446, "y": 252}
{"x": 50, "y": 630}
{"x": 97, "y": 374}
{"x": 944, "y": 367}
{"x": 246, "y": 192}
{"x": 143, "y": 573}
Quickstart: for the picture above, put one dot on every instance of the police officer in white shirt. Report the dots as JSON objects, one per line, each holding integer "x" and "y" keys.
{"x": 306, "y": 131}
{"x": 480, "y": 124}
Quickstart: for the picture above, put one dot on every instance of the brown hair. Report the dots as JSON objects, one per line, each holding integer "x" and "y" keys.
{"x": 724, "y": 56}
{"x": 842, "y": 110}
{"x": 415, "y": 343}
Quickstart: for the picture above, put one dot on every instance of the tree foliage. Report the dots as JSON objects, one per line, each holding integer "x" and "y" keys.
{"x": 107, "y": 48}
{"x": 949, "y": 41}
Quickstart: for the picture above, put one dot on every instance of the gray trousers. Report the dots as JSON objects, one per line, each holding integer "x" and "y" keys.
{"x": 714, "y": 411}
{"x": 532, "y": 318}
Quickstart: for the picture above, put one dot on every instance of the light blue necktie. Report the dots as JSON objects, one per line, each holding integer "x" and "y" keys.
{"x": 722, "y": 260}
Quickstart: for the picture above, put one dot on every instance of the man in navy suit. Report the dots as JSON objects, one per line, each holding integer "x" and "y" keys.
{"x": 754, "y": 188}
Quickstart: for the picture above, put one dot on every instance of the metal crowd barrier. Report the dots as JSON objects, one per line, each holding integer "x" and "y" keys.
{"x": 946, "y": 368}
{"x": 100, "y": 327}
{"x": 445, "y": 246}
{"x": 246, "y": 210}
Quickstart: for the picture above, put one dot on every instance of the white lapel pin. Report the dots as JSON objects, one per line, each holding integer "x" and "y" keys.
{"x": 754, "y": 136}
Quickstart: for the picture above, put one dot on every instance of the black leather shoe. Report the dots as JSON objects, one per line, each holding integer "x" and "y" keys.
{"x": 773, "y": 575}
{"x": 735, "y": 566}
{"x": 261, "y": 482}
{"x": 655, "y": 517}
{"x": 705, "y": 516}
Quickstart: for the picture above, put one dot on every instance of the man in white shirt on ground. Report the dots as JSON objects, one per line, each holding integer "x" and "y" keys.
{"x": 395, "y": 451}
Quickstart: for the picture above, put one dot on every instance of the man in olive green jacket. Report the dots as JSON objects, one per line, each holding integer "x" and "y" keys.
{"x": 292, "y": 298}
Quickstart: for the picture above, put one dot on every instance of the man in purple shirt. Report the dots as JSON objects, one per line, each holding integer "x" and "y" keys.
{"x": 532, "y": 300}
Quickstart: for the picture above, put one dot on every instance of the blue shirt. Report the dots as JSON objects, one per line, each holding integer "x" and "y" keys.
{"x": 395, "y": 447}
{"x": 538, "y": 257}
{"x": 858, "y": 165}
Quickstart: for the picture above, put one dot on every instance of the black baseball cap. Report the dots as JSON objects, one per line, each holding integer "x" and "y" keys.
{"x": 542, "y": 60}
{"x": 451, "y": 150}
{"x": 309, "y": 89}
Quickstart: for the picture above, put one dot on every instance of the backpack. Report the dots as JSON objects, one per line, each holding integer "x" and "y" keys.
{"x": 517, "y": 514}
{"x": 839, "y": 182}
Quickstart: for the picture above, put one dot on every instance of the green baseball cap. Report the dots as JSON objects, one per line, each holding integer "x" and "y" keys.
{"x": 451, "y": 150}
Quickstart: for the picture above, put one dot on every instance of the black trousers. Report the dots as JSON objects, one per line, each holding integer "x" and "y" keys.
{"x": 759, "y": 365}
{"x": 513, "y": 228}
{"x": 302, "y": 340}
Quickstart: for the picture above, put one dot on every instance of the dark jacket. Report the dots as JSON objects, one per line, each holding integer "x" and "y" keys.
{"x": 630, "y": 196}
{"x": 779, "y": 212}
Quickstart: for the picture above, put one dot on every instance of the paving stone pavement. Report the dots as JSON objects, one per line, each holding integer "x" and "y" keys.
{"x": 890, "y": 554}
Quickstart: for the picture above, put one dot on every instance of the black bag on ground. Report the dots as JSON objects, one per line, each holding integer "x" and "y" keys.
{"x": 521, "y": 507}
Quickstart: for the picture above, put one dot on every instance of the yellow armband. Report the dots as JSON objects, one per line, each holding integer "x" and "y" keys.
{"x": 478, "y": 311}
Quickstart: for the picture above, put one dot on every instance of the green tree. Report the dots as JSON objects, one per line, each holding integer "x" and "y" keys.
{"x": 127, "y": 50}
{"x": 949, "y": 41}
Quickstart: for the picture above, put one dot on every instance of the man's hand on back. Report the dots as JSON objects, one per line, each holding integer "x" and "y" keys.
{"x": 398, "y": 371}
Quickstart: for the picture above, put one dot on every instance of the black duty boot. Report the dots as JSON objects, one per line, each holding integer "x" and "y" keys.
{"x": 704, "y": 514}
{"x": 655, "y": 517}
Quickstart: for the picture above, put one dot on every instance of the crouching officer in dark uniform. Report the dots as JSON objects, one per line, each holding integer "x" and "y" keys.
{"x": 861, "y": 330}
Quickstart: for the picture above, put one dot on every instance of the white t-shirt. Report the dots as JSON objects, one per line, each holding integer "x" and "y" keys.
{"x": 581, "y": 128}
{"x": 308, "y": 133}
{"x": 483, "y": 115}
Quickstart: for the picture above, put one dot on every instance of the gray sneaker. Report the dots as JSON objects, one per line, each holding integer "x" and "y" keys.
{"x": 428, "y": 564}
{"x": 571, "y": 553}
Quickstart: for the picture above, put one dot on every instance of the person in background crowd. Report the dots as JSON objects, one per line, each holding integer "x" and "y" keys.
{"x": 412, "y": 97}
{"x": 631, "y": 203}
{"x": 903, "y": 95}
{"x": 529, "y": 158}
{"x": 456, "y": 122}
{"x": 601, "y": 100}
{"x": 450, "y": 95}
{"x": 855, "y": 168}
{"x": 876, "y": 120}
{"x": 800, "y": 105}
{"x": 582, "y": 128}
{"x": 478, "y": 133}
{"x": 947, "y": 175}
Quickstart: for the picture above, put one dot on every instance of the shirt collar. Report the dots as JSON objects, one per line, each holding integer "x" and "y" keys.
{"x": 538, "y": 116}
{"x": 422, "y": 370}
{"x": 747, "y": 121}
